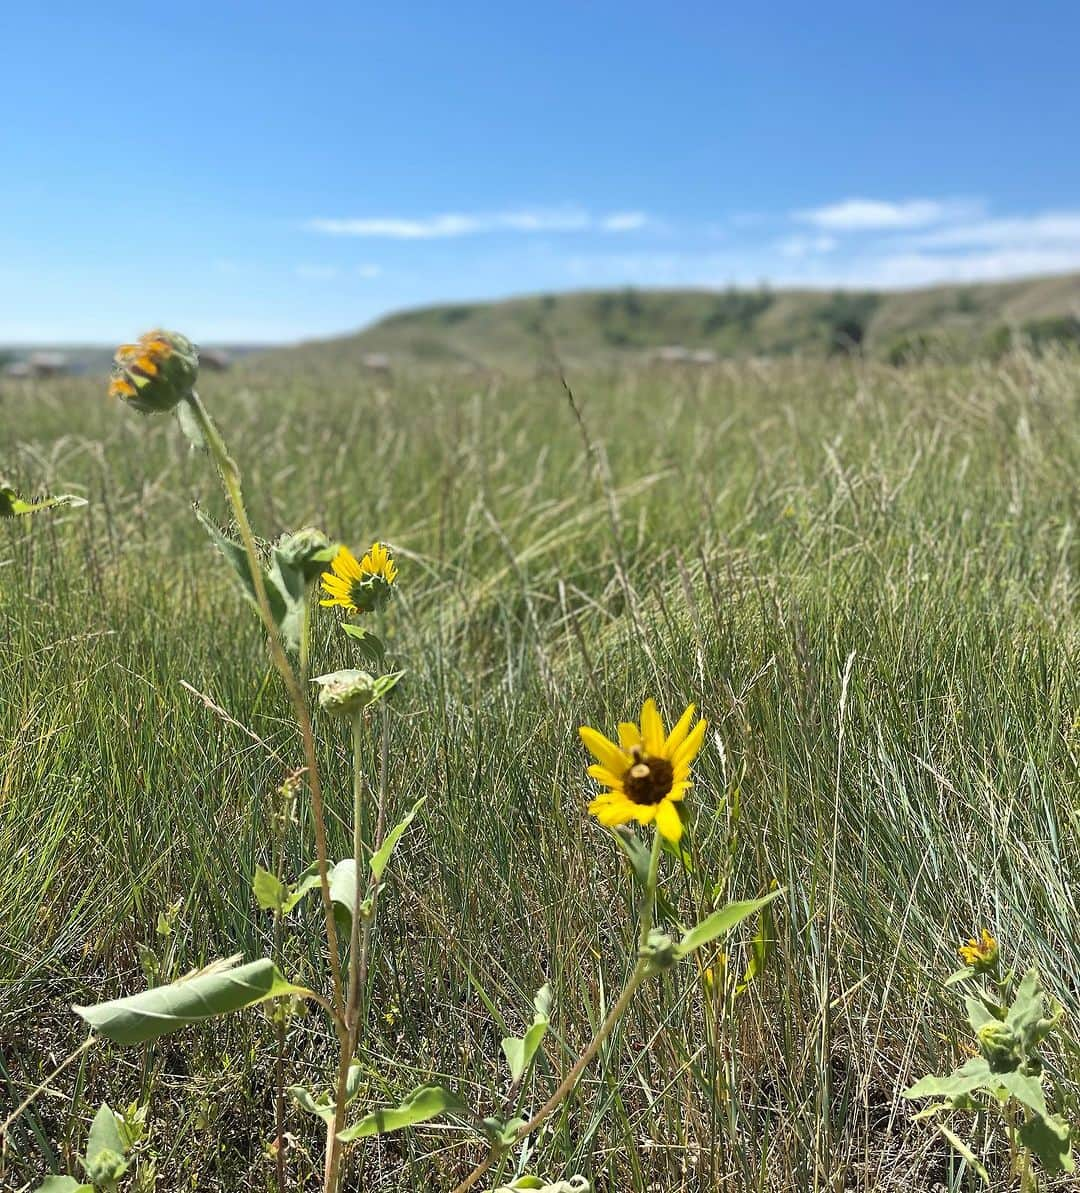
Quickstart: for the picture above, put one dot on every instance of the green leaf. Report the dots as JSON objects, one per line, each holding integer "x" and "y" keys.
{"x": 282, "y": 594}
{"x": 425, "y": 1102}
{"x": 270, "y": 892}
{"x": 104, "y": 1135}
{"x": 520, "y": 1052}
{"x": 307, "y": 882}
{"x": 343, "y": 885}
{"x": 352, "y": 1081}
{"x": 978, "y": 1013}
{"x": 722, "y": 921}
{"x": 1048, "y": 1137}
{"x": 322, "y": 1107}
{"x": 189, "y": 424}
{"x": 12, "y": 506}
{"x": 206, "y": 995}
{"x": 63, "y": 1184}
{"x": 973, "y": 1074}
{"x": 1027, "y": 1007}
{"x": 380, "y": 858}
{"x": 761, "y": 949}
{"x": 961, "y": 975}
{"x": 962, "y": 1148}
{"x": 370, "y": 645}
{"x": 1028, "y": 1090}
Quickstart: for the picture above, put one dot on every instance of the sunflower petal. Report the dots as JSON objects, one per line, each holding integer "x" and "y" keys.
{"x": 629, "y": 735}
{"x": 667, "y": 820}
{"x": 678, "y": 734}
{"x": 652, "y": 729}
{"x": 607, "y": 753}
{"x": 686, "y": 753}
{"x": 602, "y": 775}
{"x": 679, "y": 789}
{"x": 614, "y": 812}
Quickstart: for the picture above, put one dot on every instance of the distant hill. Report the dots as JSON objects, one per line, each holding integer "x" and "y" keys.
{"x": 604, "y": 326}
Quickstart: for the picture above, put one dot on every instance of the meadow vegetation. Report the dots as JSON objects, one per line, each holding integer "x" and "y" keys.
{"x": 865, "y": 579}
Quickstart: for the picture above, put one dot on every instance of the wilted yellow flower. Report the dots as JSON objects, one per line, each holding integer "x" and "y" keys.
{"x": 647, "y": 773}
{"x": 156, "y": 374}
{"x": 359, "y": 586}
{"x": 981, "y": 953}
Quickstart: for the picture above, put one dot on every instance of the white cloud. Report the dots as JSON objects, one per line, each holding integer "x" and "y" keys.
{"x": 1044, "y": 230}
{"x": 624, "y": 221}
{"x": 369, "y": 271}
{"x": 453, "y": 224}
{"x": 852, "y": 215}
{"x": 317, "y": 273}
{"x": 925, "y": 269}
{"x": 798, "y": 247}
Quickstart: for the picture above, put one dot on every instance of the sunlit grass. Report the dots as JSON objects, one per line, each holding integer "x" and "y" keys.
{"x": 865, "y": 580}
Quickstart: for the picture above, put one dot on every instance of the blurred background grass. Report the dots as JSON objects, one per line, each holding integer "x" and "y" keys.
{"x": 865, "y": 578}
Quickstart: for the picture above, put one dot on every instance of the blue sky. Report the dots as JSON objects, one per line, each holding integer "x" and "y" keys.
{"x": 274, "y": 171}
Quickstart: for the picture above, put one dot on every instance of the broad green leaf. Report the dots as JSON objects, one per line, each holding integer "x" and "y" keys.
{"x": 270, "y": 893}
{"x": 352, "y": 1081}
{"x": 322, "y": 1107}
{"x": 12, "y": 506}
{"x": 722, "y": 921}
{"x": 1048, "y": 1137}
{"x": 961, "y": 975}
{"x": 104, "y": 1135}
{"x": 289, "y": 579}
{"x": 63, "y": 1184}
{"x": 519, "y": 1052}
{"x": 637, "y": 854}
{"x": 425, "y": 1102}
{"x": 1028, "y": 1090}
{"x": 978, "y": 1013}
{"x": 164, "y": 1009}
{"x": 369, "y": 645}
{"x": 962, "y": 1148}
{"x": 307, "y": 882}
{"x": 1027, "y": 1007}
{"x": 380, "y": 858}
{"x": 973, "y": 1074}
{"x": 343, "y": 885}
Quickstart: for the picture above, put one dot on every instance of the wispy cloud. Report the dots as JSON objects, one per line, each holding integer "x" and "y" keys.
{"x": 1042, "y": 230}
{"x": 453, "y": 224}
{"x": 852, "y": 215}
{"x": 798, "y": 247}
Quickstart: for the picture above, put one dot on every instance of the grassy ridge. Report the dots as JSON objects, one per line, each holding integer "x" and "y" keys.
{"x": 866, "y": 580}
{"x": 941, "y": 322}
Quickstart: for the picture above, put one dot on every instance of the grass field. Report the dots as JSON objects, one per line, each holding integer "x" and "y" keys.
{"x": 865, "y": 578}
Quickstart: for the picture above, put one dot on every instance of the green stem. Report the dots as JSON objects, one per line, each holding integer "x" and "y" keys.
{"x": 640, "y": 971}
{"x": 230, "y": 479}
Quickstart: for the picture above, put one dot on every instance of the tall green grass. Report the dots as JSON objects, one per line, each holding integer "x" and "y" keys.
{"x": 866, "y": 579}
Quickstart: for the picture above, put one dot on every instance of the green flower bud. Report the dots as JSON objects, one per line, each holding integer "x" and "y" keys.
{"x": 345, "y": 693}
{"x": 1000, "y": 1045}
{"x": 308, "y": 549}
{"x": 106, "y": 1168}
{"x": 156, "y": 374}
{"x": 659, "y": 951}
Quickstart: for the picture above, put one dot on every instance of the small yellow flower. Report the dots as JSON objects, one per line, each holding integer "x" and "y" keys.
{"x": 647, "y": 773}
{"x": 980, "y": 953}
{"x": 359, "y": 586}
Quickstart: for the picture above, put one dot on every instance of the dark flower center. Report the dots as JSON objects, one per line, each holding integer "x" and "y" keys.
{"x": 649, "y": 780}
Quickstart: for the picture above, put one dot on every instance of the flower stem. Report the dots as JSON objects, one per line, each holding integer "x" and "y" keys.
{"x": 230, "y": 479}
{"x": 640, "y": 971}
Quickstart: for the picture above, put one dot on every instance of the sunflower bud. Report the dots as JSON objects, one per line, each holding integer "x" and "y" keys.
{"x": 156, "y": 374}
{"x": 1000, "y": 1045}
{"x": 345, "y": 693}
{"x": 309, "y": 550}
{"x": 106, "y": 1168}
{"x": 658, "y": 951}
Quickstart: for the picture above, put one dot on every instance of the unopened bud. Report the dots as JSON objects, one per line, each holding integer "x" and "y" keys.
{"x": 345, "y": 693}
{"x": 155, "y": 374}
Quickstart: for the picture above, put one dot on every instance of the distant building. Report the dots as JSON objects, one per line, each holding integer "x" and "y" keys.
{"x": 676, "y": 354}
{"x": 38, "y": 364}
{"x": 376, "y": 362}
{"x": 214, "y": 359}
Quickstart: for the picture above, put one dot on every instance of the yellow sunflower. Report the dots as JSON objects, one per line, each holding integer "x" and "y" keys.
{"x": 647, "y": 773}
{"x": 359, "y": 586}
{"x": 980, "y": 952}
